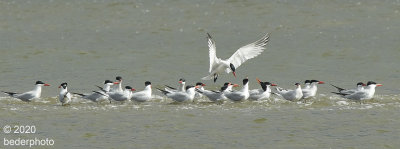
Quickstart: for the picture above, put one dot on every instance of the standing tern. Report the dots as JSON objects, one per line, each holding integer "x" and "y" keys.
{"x": 311, "y": 91}
{"x": 367, "y": 93}
{"x": 242, "y": 94}
{"x": 64, "y": 97}
{"x": 28, "y": 96}
{"x": 264, "y": 93}
{"x": 360, "y": 87}
{"x": 144, "y": 95}
{"x": 181, "y": 96}
{"x": 219, "y": 66}
{"x": 97, "y": 96}
{"x": 291, "y": 95}
{"x": 181, "y": 87}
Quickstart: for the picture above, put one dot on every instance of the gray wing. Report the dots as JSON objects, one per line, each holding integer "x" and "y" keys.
{"x": 25, "y": 97}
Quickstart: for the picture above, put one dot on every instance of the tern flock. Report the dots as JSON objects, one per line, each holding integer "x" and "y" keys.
{"x": 185, "y": 93}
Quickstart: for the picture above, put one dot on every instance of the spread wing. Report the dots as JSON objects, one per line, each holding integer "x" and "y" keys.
{"x": 248, "y": 52}
{"x": 212, "y": 52}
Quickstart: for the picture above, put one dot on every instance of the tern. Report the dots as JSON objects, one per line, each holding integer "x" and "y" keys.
{"x": 311, "y": 91}
{"x": 360, "y": 87}
{"x": 264, "y": 93}
{"x": 143, "y": 95}
{"x": 97, "y": 96}
{"x": 219, "y": 66}
{"x": 28, "y": 96}
{"x": 181, "y": 87}
{"x": 64, "y": 97}
{"x": 215, "y": 96}
{"x": 291, "y": 95}
{"x": 242, "y": 94}
{"x": 200, "y": 88}
{"x": 120, "y": 96}
{"x": 117, "y": 88}
{"x": 181, "y": 96}
{"x": 367, "y": 93}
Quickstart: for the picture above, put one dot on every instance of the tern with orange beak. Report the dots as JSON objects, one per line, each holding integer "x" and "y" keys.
{"x": 367, "y": 93}
{"x": 263, "y": 93}
{"x": 311, "y": 91}
{"x": 219, "y": 66}
{"x": 28, "y": 96}
{"x": 200, "y": 88}
{"x": 181, "y": 86}
{"x": 360, "y": 87}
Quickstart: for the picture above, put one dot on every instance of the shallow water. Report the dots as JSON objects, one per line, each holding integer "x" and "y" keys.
{"x": 85, "y": 42}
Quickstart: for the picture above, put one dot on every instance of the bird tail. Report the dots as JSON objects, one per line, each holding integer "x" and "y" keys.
{"x": 104, "y": 94}
{"x": 9, "y": 93}
{"x": 339, "y": 93}
{"x": 170, "y": 87}
{"x": 80, "y": 94}
{"x": 163, "y": 91}
{"x": 338, "y": 88}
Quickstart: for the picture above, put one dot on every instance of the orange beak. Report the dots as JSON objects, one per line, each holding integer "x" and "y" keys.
{"x": 197, "y": 87}
{"x": 235, "y": 85}
{"x": 46, "y": 84}
{"x": 133, "y": 89}
{"x": 116, "y": 82}
{"x": 364, "y": 84}
{"x": 234, "y": 74}
{"x": 379, "y": 85}
{"x": 274, "y": 85}
{"x": 258, "y": 80}
{"x": 203, "y": 84}
{"x": 59, "y": 86}
{"x": 321, "y": 82}
{"x": 180, "y": 82}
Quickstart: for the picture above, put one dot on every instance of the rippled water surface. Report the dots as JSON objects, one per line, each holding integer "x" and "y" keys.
{"x": 85, "y": 42}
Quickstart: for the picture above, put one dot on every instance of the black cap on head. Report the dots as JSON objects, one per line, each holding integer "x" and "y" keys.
{"x": 189, "y": 86}
{"x": 232, "y": 67}
{"x": 39, "y": 82}
{"x": 264, "y": 85}
{"x": 297, "y": 84}
{"x": 226, "y": 83}
{"x": 107, "y": 81}
{"x": 312, "y": 81}
{"x": 224, "y": 88}
{"x": 199, "y": 83}
{"x": 147, "y": 83}
{"x": 119, "y": 78}
{"x": 307, "y": 81}
{"x": 182, "y": 79}
{"x": 370, "y": 82}
{"x": 64, "y": 85}
{"x": 245, "y": 81}
{"x": 128, "y": 87}
{"x": 359, "y": 83}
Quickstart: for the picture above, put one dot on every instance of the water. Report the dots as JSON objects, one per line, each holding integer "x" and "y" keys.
{"x": 85, "y": 42}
